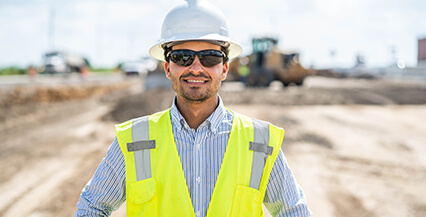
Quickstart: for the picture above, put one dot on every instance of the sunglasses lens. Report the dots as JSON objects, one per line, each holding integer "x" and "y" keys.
{"x": 208, "y": 58}
{"x": 182, "y": 57}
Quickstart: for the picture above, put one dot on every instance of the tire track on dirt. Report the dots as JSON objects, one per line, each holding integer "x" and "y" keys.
{"x": 40, "y": 177}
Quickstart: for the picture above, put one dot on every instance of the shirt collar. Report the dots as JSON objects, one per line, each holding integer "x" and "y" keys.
{"x": 212, "y": 122}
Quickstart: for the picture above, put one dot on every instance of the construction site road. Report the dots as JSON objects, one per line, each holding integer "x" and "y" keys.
{"x": 357, "y": 147}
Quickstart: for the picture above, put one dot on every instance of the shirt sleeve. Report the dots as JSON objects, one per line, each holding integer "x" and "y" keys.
{"x": 106, "y": 191}
{"x": 284, "y": 197}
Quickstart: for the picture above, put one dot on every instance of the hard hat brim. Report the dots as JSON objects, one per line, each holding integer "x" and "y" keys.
{"x": 157, "y": 51}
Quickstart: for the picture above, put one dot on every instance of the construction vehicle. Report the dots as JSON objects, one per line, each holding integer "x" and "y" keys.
{"x": 266, "y": 64}
{"x": 139, "y": 67}
{"x": 64, "y": 63}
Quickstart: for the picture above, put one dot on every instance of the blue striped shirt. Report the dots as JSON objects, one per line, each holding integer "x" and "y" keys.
{"x": 201, "y": 152}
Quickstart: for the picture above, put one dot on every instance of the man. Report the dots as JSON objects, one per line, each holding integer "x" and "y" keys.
{"x": 196, "y": 158}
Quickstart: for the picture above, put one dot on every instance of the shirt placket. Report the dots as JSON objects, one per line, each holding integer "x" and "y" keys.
{"x": 199, "y": 171}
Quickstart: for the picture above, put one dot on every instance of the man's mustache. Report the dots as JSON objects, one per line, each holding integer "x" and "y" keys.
{"x": 201, "y": 75}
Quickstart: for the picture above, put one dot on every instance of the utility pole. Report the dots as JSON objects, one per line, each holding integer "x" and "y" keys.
{"x": 51, "y": 28}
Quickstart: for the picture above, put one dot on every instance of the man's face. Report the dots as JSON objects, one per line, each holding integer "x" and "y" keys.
{"x": 196, "y": 83}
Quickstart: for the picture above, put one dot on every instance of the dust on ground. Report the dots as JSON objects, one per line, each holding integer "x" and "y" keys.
{"x": 355, "y": 146}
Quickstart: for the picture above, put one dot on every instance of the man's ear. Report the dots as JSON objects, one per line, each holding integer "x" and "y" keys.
{"x": 167, "y": 69}
{"x": 225, "y": 71}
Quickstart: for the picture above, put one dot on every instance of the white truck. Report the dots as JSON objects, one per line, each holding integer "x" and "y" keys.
{"x": 60, "y": 62}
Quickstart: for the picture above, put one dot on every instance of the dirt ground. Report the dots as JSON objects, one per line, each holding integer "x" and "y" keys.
{"x": 357, "y": 147}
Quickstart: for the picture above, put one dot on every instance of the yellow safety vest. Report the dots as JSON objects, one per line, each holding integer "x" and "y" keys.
{"x": 155, "y": 182}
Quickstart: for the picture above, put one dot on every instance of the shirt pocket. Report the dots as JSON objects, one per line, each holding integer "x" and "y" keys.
{"x": 246, "y": 202}
{"x": 142, "y": 196}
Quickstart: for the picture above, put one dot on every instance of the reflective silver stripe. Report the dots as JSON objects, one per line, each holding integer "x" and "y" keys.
{"x": 260, "y": 150}
{"x": 141, "y": 147}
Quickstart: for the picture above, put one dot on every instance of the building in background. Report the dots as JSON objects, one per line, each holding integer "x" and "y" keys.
{"x": 421, "y": 55}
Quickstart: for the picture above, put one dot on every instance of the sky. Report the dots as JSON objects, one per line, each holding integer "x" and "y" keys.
{"x": 326, "y": 33}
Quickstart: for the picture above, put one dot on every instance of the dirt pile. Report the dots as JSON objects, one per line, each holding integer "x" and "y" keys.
{"x": 141, "y": 104}
{"x": 41, "y": 94}
{"x": 375, "y": 93}
{"x": 389, "y": 94}
{"x": 28, "y": 106}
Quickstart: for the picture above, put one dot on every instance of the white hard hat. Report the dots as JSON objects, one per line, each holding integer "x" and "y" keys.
{"x": 194, "y": 20}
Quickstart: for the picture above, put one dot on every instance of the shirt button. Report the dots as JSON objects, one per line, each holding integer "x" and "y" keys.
{"x": 198, "y": 179}
{"x": 198, "y": 146}
{"x": 198, "y": 213}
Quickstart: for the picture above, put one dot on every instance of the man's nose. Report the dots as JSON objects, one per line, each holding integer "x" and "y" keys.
{"x": 196, "y": 66}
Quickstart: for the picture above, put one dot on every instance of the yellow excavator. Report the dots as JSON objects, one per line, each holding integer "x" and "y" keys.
{"x": 266, "y": 64}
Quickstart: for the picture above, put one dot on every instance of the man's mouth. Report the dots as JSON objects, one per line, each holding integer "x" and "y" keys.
{"x": 196, "y": 81}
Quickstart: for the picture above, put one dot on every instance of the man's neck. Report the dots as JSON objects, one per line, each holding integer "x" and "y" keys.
{"x": 195, "y": 113}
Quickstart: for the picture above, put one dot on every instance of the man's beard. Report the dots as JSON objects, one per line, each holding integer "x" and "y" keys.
{"x": 196, "y": 97}
{"x": 193, "y": 95}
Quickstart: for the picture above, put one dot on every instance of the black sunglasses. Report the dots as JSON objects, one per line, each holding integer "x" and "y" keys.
{"x": 208, "y": 58}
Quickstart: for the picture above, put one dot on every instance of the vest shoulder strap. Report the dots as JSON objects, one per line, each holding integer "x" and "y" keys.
{"x": 139, "y": 143}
